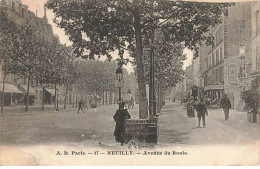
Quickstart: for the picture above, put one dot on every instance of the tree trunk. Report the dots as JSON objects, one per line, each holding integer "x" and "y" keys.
{"x": 73, "y": 100}
{"x": 57, "y": 106}
{"x": 103, "y": 97}
{"x": 27, "y": 94}
{"x": 106, "y": 97}
{"x": 143, "y": 105}
{"x": 55, "y": 93}
{"x": 43, "y": 97}
{"x": 76, "y": 100}
{"x": 3, "y": 95}
{"x": 66, "y": 94}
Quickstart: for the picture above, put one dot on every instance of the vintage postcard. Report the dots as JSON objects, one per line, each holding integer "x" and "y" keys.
{"x": 129, "y": 82}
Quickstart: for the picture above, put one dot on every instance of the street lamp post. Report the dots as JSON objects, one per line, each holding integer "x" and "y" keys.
{"x": 119, "y": 77}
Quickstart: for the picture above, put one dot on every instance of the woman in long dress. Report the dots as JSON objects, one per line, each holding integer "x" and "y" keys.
{"x": 120, "y": 117}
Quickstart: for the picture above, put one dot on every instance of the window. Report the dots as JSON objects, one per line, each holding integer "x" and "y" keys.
{"x": 217, "y": 56}
{"x": 13, "y": 6}
{"x": 257, "y": 26}
{"x": 221, "y": 74}
{"x": 221, "y": 54}
{"x": 213, "y": 59}
{"x": 209, "y": 61}
{"x": 219, "y": 36}
{"x": 206, "y": 80}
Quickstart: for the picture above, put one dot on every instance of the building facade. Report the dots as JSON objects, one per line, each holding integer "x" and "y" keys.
{"x": 238, "y": 51}
{"x": 189, "y": 80}
{"x": 255, "y": 8}
{"x": 228, "y": 61}
{"x": 15, "y": 87}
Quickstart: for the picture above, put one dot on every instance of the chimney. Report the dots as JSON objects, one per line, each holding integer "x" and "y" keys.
{"x": 36, "y": 13}
{"x": 45, "y": 9}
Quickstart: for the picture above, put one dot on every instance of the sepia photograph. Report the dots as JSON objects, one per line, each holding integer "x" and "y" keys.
{"x": 129, "y": 83}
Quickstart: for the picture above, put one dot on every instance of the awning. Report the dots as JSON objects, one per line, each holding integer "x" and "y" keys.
{"x": 24, "y": 89}
{"x": 52, "y": 91}
{"x": 214, "y": 87}
{"x": 10, "y": 88}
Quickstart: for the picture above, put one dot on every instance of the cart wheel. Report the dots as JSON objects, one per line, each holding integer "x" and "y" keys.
{"x": 132, "y": 146}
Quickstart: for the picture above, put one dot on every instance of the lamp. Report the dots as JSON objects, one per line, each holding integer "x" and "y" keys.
{"x": 119, "y": 77}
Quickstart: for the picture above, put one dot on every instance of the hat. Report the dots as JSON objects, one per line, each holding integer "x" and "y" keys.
{"x": 121, "y": 104}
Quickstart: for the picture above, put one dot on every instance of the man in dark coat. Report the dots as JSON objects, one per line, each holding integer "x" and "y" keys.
{"x": 226, "y": 105}
{"x": 202, "y": 111}
{"x": 120, "y": 116}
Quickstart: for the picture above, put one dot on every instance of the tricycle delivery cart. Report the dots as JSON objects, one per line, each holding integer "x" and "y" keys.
{"x": 141, "y": 133}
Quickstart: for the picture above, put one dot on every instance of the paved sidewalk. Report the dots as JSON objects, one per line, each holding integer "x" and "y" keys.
{"x": 15, "y": 110}
{"x": 177, "y": 128}
{"x": 33, "y": 110}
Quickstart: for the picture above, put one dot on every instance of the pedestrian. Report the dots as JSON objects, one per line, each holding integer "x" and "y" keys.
{"x": 132, "y": 102}
{"x": 190, "y": 111}
{"x": 120, "y": 117}
{"x": 81, "y": 105}
{"x": 202, "y": 111}
{"x": 226, "y": 105}
{"x": 207, "y": 101}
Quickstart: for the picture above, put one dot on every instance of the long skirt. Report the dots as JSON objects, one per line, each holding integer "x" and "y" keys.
{"x": 119, "y": 132}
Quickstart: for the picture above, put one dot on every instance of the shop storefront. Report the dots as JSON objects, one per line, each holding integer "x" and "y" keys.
{"x": 214, "y": 91}
{"x": 12, "y": 94}
{"x": 32, "y": 95}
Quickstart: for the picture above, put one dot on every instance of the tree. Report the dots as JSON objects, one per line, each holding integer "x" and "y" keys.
{"x": 26, "y": 57}
{"x": 57, "y": 66}
{"x": 168, "y": 61}
{"x": 71, "y": 74}
{"x": 44, "y": 74}
{"x": 97, "y": 27}
{"x": 9, "y": 32}
{"x": 97, "y": 76}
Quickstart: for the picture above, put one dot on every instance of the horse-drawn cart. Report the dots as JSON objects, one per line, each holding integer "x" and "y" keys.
{"x": 141, "y": 133}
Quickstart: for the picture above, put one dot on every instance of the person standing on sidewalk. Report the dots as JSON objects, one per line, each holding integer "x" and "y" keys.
{"x": 190, "y": 110}
{"x": 202, "y": 111}
{"x": 81, "y": 106}
{"x": 120, "y": 117}
{"x": 226, "y": 105}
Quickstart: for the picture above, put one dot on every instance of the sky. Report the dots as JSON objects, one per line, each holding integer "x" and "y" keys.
{"x": 38, "y": 5}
